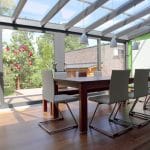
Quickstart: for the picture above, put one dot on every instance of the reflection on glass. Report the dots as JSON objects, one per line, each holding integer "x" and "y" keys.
{"x": 141, "y": 6}
{"x": 128, "y": 26}
{"x": 37, "y": 9}
{"x": 7, "y": 7}
{"x": 113, "y": 4}
{"x": 112, "y": 22}
{"x": 70, "y": 10}
{"x": 97, "y": 14}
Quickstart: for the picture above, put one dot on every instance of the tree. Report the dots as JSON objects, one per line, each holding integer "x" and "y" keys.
{"x": 19, "y": 57}
{"x": 45, "y": 51}
{"x": 73, "y": 43}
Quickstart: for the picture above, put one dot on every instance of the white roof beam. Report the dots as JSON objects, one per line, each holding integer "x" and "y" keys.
{"x": 135, "y": 27}
{"x": 85, "y": 13}
{"x": 138, "y": 32}
{"x": 18, "y": 9}
{"x": 53, "y": 11}
{"x": 127, "y": 21}
{"x": 113, "y": 14}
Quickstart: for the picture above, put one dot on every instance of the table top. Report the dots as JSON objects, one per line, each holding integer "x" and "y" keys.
{"x": 83, "y": 79}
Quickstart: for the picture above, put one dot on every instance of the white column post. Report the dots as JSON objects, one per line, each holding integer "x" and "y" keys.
{"x": 59, "y": 51}
{"x": 1, "y": 71}
{"x": 98, "y": 54}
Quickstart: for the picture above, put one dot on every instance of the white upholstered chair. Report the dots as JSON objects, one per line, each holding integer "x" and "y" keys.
{"x": 49, "y": 96}
{"x": 140, "y": 90}
{"x": 118, "y": 93}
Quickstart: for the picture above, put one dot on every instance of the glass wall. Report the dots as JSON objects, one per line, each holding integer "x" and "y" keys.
{"x": 25, "y": 54}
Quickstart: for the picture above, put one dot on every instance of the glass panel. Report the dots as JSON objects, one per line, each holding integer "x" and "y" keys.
{"x": 112, "y": 22}
{"x": 146, "y": 16}
{"x": 90, "y": 1}
{"x": 97, "y": 14}
{"x": 128, "y": 26}
{"x": 70, "y": 10}
{"x": 141, "y": 6}
{"x": 7, "y": 7}
{"x": 113, "y": 4}
{"x": 36, "y": 10}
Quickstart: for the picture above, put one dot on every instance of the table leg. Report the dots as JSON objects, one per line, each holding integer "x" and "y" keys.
{"x": 83, "y": 116}
{"x": 54, "y": 108}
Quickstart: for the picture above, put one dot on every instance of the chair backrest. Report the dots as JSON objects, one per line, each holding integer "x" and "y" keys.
{"x": 141, "y": 82}
{"x": 118, "y": 89}
{"x": 48, "y": 85}
{"x": 60, "y": 74}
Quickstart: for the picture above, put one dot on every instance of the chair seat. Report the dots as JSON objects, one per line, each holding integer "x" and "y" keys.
{"x": 101, "y": 99}
{"x": 97, "y": 93}
{"x": 64, "y": 98}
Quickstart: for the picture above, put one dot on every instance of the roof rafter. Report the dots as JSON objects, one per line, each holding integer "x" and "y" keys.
{"x": 33, "y": 25}
{"x": 138, "y": 32}
{"x": 85, "y": 13}
{"x": 127, "y": 21}
{"x": 135, "y": 27}
{"x": 18, "y": 10}
{"x": 113, "y": 14}
{"x": 53, "y": 11}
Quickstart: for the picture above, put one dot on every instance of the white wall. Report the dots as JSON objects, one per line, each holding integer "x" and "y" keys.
{"x": 141, "y": 57}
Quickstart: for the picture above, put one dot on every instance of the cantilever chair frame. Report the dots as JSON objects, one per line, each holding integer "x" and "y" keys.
{"x": 48, "y": 95}
{"x": 140, "y": 90}
{"x": 117, "y": 94}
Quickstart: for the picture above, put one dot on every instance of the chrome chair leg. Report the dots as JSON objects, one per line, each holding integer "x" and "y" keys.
{"x": 58, "y": 119}
{"x": 112, "y": 115}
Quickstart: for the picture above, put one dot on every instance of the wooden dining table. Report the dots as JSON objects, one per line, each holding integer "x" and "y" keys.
{"x": 84, "y": 86}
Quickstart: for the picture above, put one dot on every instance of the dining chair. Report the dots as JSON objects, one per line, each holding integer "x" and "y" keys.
{"x": 98, "y": 74}
{"x": 49, "y": 96}
{"x": 118, "y": 93}
{"x": 140, "y": 90}
{"x": 146, "y": 102}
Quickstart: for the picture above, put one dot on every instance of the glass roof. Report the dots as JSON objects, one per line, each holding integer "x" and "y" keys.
{"x": 128, "y": 26}
{"x": 69, "y": 11}
{"x": 139, "y": 7}
{"x": 112, "y": 22}
{"x": 36, "y": 9}
{"x": 97, "y": 14}
{"x": 66, "y": 16}
{"x": 113, "y": 4}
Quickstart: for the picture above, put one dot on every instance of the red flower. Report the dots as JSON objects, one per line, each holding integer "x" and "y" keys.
{"x": 7, "y": 48}
{"x": 23, "y": 48}
{"x": 30, "y": 62}
{"x": 30, "y": 54}
{"x": 16, "y": 52}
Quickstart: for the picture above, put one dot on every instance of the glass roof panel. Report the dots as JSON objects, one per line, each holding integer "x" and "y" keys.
{"x": 7, "y": 7}
{"x": 70, "y": 10}
{"x": 97, "y": 14}
{"x": 113, "y": 4}
{"x": 112, "y": 22}
{"x": 146, "y": 16}
{"x": 141, "y": 6}
{"x": 128, "y": 26}
{"x": 90, "y": 1}
{"x": 36, "y": 9}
